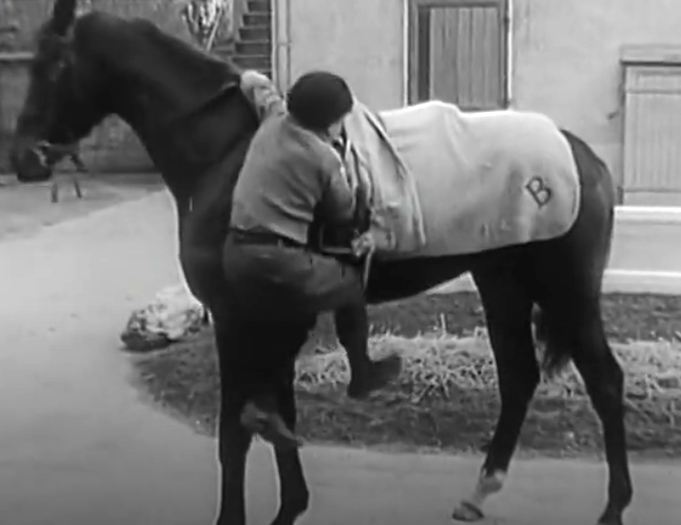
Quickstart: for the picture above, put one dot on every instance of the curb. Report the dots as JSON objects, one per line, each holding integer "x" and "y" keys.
{"x": 648, "y": 214}
{"x": 614, "y": 281}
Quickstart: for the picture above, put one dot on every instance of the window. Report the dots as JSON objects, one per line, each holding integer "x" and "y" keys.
{"x": 457, "y": 52}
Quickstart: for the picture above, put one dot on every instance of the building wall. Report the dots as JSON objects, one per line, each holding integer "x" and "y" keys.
{"x": 565, "y": 61}
{"x": 564, "y": 54}
{"x": 360, "y": 39}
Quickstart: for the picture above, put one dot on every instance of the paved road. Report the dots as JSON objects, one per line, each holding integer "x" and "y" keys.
{"x": 77, "y": 446}
{"x": 26, "y": 208}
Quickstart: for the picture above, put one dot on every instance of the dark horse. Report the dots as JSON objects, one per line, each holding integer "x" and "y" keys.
{"x": 188, "y": 111}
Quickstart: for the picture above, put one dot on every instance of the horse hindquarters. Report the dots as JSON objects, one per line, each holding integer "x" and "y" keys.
{"x": 568, "y": 274}
{"x": 564, "y": 277}
{"x": 572, "y": 324}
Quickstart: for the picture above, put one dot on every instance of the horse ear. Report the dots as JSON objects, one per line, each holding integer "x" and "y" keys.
{"x": 63, "y": 15}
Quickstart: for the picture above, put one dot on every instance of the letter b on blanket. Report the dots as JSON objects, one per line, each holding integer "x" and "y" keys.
{"x": 486, "y": 179}
{"x": 540, "y": 192}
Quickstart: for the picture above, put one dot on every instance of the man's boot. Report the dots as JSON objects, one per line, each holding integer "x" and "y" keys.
{"x": 352, "y": 327}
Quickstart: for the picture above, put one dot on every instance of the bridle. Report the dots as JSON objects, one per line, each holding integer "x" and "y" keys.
{"x": 47, "y": 153}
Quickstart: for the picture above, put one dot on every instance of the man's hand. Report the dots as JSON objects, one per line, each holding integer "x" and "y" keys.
{"x": 363, "y": 244}
{"x": 262, "y": 93}
{"x": 252, "y": 78}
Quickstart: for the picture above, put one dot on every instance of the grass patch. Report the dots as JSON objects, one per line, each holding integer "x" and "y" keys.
{"x": 446, "y": 398}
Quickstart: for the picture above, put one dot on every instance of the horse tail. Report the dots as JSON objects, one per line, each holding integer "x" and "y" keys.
{"x": 601, "y": 178}
{"x": 596, "y": 180}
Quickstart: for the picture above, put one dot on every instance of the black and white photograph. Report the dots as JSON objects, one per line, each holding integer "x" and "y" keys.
{"x": 331, "y": 262}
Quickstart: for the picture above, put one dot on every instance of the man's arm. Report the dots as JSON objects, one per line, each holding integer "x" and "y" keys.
{"x": 262, "y": 94}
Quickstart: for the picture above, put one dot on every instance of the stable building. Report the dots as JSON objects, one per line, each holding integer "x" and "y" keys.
{"x": 608, "y": 71}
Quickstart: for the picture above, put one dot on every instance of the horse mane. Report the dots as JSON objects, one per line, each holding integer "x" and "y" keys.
{"x": 93, "y": 25}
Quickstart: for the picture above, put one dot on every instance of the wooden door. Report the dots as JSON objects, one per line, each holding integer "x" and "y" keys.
{"x": 457, "y": 52}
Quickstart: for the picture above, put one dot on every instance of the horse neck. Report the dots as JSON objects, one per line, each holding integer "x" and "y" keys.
{"x": 150, "y": 96}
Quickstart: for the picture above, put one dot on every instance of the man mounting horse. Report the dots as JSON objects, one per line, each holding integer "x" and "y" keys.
{"x": 292, "y": 174}
{"x": 523, "y": 206}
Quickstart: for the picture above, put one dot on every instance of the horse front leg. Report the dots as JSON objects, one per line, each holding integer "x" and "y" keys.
{"x": 233, "y": 444}
{"x": 233, "y": 439}
{"x": 294, "y": 494}
{"x": 188, "y": 256}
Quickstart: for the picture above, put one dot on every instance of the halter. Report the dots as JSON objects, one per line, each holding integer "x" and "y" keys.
{"x": 48, "y": 153}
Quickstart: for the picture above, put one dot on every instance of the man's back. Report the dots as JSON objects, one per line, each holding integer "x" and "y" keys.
{"x": 287, "y": 172}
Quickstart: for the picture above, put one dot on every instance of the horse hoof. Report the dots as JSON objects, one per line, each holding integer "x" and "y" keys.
{"x": 610, "y": 520}
{"x": 468, "y": 512}
{"x": 610, "y": 517}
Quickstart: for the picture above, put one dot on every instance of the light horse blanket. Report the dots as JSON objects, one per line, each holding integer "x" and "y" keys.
{"x": 445, "y": 182}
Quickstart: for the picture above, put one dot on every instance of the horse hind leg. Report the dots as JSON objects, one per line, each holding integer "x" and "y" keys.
{"x": 570, "y": 275}
{"x": 575, "y": 329}
{"x": 508, "y": 307}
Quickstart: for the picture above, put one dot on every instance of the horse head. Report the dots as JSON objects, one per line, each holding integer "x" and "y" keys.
{"x": 177, "y": 98}
{"x": 64, "y": 100}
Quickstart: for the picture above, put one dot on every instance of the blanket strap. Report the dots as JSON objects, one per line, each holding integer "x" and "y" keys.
{"x": 341, "y": 251}
{"x": 368, "y": 259}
